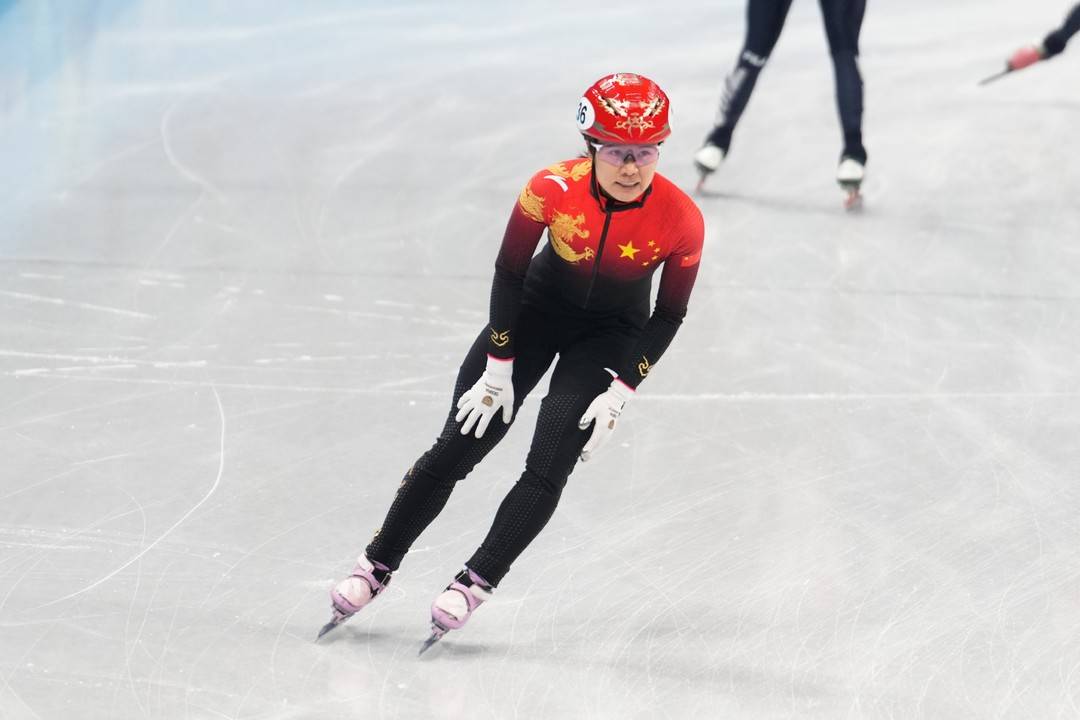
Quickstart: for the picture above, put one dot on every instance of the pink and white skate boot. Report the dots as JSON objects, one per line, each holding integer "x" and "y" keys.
{"x": 1020, "y": 59}
{"x": 1025, "y": 56}
{"x": 367, "y": 580}
{"x": 453, "y": 608}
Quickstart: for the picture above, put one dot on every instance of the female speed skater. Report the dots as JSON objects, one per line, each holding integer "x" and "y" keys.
{"x": 764, "y": 21}
{"x": 612, "y": 221}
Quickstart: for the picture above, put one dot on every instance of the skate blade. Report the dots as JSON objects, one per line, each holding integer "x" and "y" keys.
{"x": 703, "y": 175}
{"x": 995, "y": 76}
{"x": 853, "y": 201}
{"x": 334, "y": 622}
{"x": 436, "y": 634}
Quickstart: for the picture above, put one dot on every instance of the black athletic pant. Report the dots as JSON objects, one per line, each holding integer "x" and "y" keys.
{"x": 1055, "y": 42}
{"x": 584, "y": 350}
{"x": 764, "y": 21}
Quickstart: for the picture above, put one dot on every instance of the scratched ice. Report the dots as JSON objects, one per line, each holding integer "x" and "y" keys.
{"x": 245, "y": 245}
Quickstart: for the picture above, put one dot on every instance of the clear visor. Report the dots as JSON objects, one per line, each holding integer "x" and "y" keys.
{"x": 619, "y": 155}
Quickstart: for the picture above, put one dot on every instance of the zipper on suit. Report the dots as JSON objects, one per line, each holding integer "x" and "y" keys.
{"x": 599, "y": 255}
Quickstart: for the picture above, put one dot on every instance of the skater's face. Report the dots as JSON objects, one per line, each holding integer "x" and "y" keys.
{"x": 625, "y": 171}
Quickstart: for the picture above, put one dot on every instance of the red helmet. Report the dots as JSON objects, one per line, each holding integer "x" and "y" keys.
{"x": 624, "y": 108}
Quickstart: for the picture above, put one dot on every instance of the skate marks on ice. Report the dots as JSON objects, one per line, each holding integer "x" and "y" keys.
{"x": 63, "y": 302}
{"x": 345, "y": 633}
{"x": 213, "y": 488}
{"x": 765, "y": 202}
{"x": 771, "y": 203}
{"x": 456, "y": 646}
{"x": 1027, "y": 105}
{"x": 365, "y": 633}
{"x": 871, "y": 191}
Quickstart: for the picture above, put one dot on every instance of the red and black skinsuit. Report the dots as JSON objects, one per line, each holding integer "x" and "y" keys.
{"x": 585, "y": 299}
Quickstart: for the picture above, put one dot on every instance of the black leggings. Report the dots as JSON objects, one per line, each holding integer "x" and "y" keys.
{"x": 1054, "y": 43}
{"x": 584, "y": 350}
{"x": 764, "y": 21}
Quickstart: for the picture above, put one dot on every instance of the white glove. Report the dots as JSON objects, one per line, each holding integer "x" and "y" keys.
{"x": 494, "y": 390}
{"x": 604, "y": 410}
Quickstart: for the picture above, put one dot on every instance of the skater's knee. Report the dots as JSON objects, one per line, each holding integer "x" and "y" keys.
{"x": 440, "y": 471}
{"x": 427, "y": 476}
{"x": 453, "y": 456}
{"x": 469, "y": 459}
{"x": 844, "y": 53}
{"x": 547, "y": 483}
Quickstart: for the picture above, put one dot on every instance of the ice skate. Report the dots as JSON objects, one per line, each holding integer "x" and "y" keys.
{"x": 453, "y": 608}
{"x": 707, "y": 160}
{"x": 1020, "y": 59}
{"x": 367, "y": 580}
{"x": 850, "y": 175}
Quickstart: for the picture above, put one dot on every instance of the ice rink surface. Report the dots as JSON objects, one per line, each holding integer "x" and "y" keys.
{"x": 244, "y": 246}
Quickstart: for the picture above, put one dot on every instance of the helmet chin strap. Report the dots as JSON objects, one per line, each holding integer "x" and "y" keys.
{"x": 598, "y": 191}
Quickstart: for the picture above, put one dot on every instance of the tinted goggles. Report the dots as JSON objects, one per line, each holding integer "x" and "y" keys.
{"x": 619, "y": 155}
